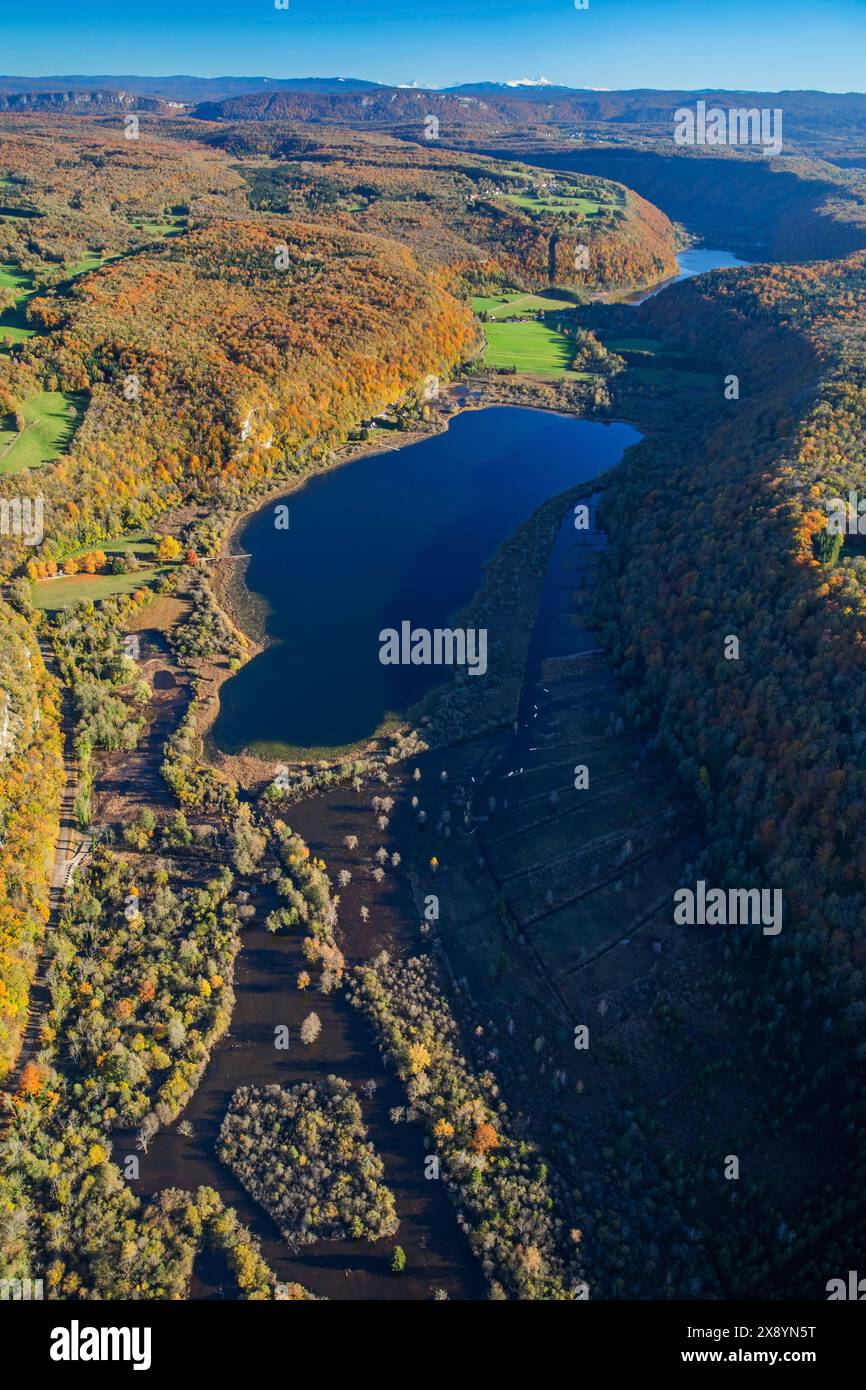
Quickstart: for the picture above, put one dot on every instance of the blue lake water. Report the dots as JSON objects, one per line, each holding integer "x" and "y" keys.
{"x": 391, "y": 537}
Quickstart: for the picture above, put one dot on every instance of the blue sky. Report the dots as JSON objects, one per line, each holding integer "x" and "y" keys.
{"x": 765, "y": 44}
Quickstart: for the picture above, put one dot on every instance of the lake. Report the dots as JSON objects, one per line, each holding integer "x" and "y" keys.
{"x": 391, "y": 537}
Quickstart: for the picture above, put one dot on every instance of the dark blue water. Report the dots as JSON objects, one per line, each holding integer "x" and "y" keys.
{"x": 402, "y": 535}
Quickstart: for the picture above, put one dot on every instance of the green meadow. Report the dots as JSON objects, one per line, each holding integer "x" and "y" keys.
{"x": 13, "y": 324}
{"x": 500, "y": 306}
{"x": 12, "y": 327}
{"x": 51, "y": 420}
{"x": 11, "y": 278}
{"x": 92, "y": 261}
{"x": 659, "y": 376}
{"x": 170, "y": 227}
{"x": 532, "y": 202}
{"x": 656, "y": 363}
{"x": 531, "y": 347}
{"x": 65, "y": 592}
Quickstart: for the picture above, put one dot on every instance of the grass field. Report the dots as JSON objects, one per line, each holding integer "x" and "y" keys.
{"x": 87, "y": 263}
{"x": 13, "y": 325}
{"x": 529, "y": 347}
{"x": 500, "y": 306}
{"x": 51, "y": 594}
{"x": 52, "y": 418}
{"x": 531, "y": 203}
{"x": 583, "y": 207}
{"x": 11, "y": 278}
{"x": 13, "y": 328}
{"x": 162, "y": 229}
{"x": 660, "y": 364}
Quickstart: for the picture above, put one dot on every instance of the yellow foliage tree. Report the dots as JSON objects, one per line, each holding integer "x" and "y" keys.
{"x": 168, "y": 549}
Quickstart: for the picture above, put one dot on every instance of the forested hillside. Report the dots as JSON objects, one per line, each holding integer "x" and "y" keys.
{"x": 732, "y": 532}
{"x": 30, "y": 780}
{"x": 720, "y": 531}
{"x": 464, "y": 211}
{"x": 229, "y": 318}
{"x": 74, "y": 190}
{"x": 238, "y": 369}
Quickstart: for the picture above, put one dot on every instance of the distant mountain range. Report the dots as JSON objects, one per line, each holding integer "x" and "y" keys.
{"x": 814, "y": 122}
{"x": 190, "y": 90}
{"x": 812, "y": 119}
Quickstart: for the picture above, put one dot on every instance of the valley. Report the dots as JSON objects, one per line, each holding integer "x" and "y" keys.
{"x": 286, "y": 375}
